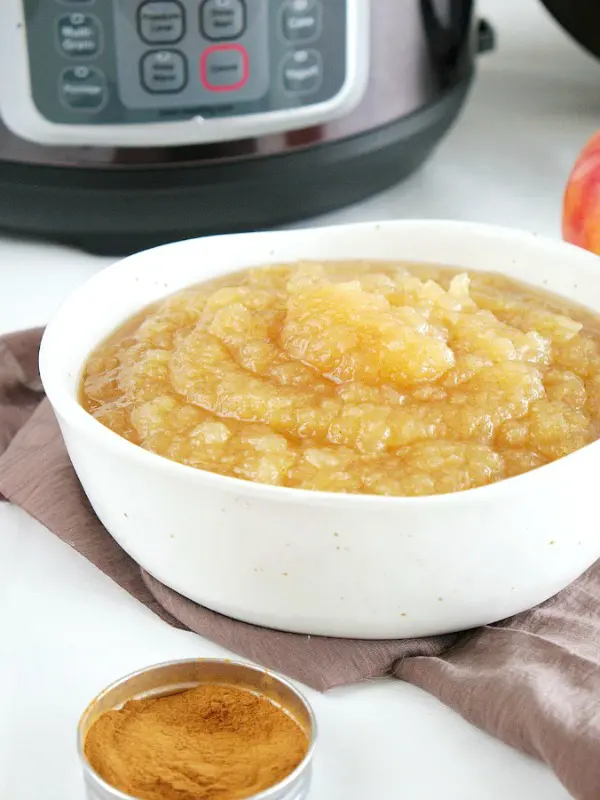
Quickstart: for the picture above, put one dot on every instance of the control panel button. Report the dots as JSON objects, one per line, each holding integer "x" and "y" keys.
{"x": 83, "y": 88}
{"x": 301, "y": 20}
{"x": 79, "y": 35}
{"x": 302, "y": 72}
{"x": 224, "y": 67}
{"x": 164, "y": 71}
{"x": 161, "y": 22}
{"x": 221, "y": 20}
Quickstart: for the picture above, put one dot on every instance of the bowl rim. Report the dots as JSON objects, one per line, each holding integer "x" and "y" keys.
{"x": 67, "y": 406}
{"x": 267, "y": 794}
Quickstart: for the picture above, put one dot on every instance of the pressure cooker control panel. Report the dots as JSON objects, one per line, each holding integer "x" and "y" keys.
{"x": 150, "y": 72}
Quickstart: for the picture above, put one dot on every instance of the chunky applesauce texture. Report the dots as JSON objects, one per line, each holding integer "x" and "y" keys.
{"x": 363, "y": 377}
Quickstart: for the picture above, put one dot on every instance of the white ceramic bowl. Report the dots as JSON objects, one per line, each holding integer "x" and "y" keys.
{"x": 321, "y": 563}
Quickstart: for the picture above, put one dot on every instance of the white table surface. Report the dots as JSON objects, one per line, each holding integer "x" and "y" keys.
{"x": 66, "y": 630}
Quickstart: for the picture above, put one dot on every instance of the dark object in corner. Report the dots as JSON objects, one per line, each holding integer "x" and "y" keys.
{"x": 581, "y": 19}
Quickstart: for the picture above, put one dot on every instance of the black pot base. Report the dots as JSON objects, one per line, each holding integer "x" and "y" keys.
{"x": 117, "y": 212}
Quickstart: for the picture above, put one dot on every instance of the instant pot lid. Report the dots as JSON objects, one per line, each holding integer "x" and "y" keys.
{"x": 580, "y": 18}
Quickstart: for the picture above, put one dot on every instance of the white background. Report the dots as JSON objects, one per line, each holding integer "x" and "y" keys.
{"x": 66, "y": 630}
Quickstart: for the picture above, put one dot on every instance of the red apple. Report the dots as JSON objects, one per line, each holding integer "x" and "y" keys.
{"x": 581, "y": 207}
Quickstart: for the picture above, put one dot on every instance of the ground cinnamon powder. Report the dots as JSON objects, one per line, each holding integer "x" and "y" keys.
{"x": 214, "y": 742}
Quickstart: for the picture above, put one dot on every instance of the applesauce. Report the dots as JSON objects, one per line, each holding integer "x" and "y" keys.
{"x": 362, "y": 377}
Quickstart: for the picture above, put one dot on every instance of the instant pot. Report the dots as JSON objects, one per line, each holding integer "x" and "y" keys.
{"x": 129, "y": 123}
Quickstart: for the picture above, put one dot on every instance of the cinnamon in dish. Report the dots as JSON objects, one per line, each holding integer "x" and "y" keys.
{"x": 214, "y": 742}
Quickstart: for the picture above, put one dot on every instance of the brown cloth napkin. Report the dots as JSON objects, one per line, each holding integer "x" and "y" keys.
{"x": 533, "y": 681}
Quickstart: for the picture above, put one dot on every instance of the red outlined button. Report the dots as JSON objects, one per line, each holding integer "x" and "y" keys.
{"x": 224, "y": 67}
